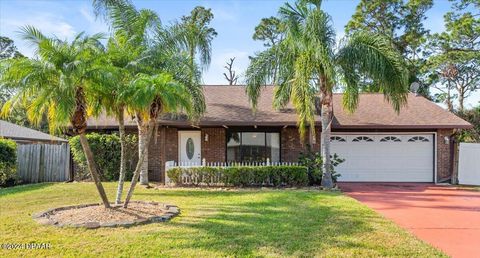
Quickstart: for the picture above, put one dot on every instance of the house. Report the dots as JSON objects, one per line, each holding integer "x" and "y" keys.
{"x": 24, "y": 135}
{"x": 378, "y": 144}
{"x": 41, "y": 157}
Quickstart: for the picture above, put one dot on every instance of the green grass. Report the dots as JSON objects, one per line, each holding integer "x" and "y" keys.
{"x": 213, "y": 223}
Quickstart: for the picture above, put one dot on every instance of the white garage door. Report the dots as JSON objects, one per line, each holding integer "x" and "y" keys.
{"x": 385, "y": 158}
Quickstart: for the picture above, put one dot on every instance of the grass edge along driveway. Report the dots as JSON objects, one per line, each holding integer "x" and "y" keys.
{"x": 213, "y": 223}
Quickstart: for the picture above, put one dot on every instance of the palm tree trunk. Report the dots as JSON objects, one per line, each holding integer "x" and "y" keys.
{"x": 143, "y": 155}
{"x": 142, "y": 136}
{"x": 123, "y": 162}
{"x": 326, "y": 117}
{"x": 93, "y": 169}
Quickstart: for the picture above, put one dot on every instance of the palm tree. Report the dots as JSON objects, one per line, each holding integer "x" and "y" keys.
{"x": 310, "y": 66}
{"x": 194, "y": 36}
{"x": 58, "y": 83}
{"x": 121, "y": 60}
{"x": 135, "y": 52}
{"x": 153, "y": 95}
{"x": 127, "y": 52}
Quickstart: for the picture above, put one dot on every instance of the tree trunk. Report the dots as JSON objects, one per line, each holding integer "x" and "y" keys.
{"x": 449, "y": 98}
{"x": 123, "y": 162}
{"x": 461, "y": 98}
{"x": 142, "y": 145}
{"x": 326, "y": 100}
{"x": 143, "y": 155}
{"x": 93, "y": 169}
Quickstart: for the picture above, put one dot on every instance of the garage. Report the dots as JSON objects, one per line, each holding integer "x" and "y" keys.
{"x": 385, "y": 157}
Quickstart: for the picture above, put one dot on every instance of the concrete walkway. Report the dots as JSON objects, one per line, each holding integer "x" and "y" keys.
{"x": 444, "y": 216}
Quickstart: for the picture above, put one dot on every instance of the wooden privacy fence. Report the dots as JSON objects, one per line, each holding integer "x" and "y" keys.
{"x": 43, "y": 162}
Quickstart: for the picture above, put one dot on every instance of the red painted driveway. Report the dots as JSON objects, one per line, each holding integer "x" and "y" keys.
{"x": 444, "y": 216}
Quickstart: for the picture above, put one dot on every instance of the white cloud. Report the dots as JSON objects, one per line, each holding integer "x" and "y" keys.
{"x": 87, "y": 14}
{"x": 49, "y": 24}
{"x": 224, "y": 15}
{"x": 94, "y": 25}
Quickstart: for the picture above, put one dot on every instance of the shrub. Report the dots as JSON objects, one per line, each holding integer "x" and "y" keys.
{"x": 241, "y": 176}
{"x": 8, "y": 162}
{"x": 314, "y": 161}
{"x": 106, "y": 151}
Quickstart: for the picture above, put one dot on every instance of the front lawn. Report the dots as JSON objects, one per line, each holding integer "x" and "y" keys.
{"x": 212, "y": 223}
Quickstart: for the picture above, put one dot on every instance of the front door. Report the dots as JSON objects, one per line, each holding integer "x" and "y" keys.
{"x": 189, "y": 147}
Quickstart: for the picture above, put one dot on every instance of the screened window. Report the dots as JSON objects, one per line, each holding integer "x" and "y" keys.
{"x": 253, "y": 146}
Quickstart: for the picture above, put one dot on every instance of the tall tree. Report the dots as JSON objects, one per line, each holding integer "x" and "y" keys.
{"x": 194, "y": 35}
{"x": 270, "y": 31}
{"x": 8, "y": 48}
{"x": 151, "y": 96}
{"x": 231, "y": 77}
{"x": 402, "y": 22}
{"x": 309, "y": 69}
{"x": 454, "y": 66}
{"x": 473, "y": 117}
{"x": 58, "y": 83}
{"x": 127, "y": 52}
{"x": 18, "y": 116}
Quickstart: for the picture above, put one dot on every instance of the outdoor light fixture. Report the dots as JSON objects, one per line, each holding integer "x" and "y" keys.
{"x": 206, "y": 137}
{"x": 447, "y": 139}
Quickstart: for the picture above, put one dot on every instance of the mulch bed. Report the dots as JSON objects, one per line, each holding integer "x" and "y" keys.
{"x": 95, "y": 215}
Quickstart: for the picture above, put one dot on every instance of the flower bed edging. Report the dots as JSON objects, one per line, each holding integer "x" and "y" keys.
{"x": 43, "y": 218}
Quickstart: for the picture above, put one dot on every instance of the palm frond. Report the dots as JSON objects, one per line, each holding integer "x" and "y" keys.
{"x": 373, "y": 56}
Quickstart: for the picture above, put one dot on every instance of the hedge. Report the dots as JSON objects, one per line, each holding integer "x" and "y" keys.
{"x": 106, "y": 152}
{"x": 8, "y": 162}
{"x": 241, "y": 176}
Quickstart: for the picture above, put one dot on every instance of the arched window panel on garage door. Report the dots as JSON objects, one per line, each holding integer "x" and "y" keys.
{"x": 390, "y": 139}
{"x": 362, "y": 139}
{"x": 418, "y": 139}
{"x": 337, "y": 139}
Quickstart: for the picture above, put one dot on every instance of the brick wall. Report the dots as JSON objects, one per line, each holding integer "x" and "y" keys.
{"x": 165, "y": 148}
{"x": 159, "y": 152}
{"x": 443, "y": 155}
{"x": 214, "y": 149}
{"x": 292, "y": 146}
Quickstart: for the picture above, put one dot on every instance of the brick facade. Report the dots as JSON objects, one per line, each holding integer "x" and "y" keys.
{"x": 292, "y": 146}
{"x": 214, "y": 149}
{"x": 444, "y": 158}
{"x": 164, "y": 147}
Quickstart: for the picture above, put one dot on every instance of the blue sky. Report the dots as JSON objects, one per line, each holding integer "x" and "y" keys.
{"x": 234, "y": 21}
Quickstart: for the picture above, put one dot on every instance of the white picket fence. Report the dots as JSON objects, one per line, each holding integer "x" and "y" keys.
{"x": 185, "y": 179}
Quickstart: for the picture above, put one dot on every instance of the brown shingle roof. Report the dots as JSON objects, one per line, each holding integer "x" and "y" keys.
{"x": 228, "y": 105}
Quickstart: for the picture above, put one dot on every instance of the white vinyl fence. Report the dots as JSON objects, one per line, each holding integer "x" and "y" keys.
{"x": 173, "y": 164}
{"x": 43, "y": 162}
{"x": 469, "y": 164}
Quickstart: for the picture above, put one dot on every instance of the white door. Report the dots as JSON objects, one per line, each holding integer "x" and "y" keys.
{"x": 385, "y": 157}
{"x": 189, "y": 147}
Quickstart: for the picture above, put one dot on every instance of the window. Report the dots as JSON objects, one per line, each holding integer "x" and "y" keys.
{"x": 337, "y": 139}
{"x": 362, "y": 139}
{"x": 418, "y": 139}
{"x": 390, "y": 139}
{"x": 253, "y": 146}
